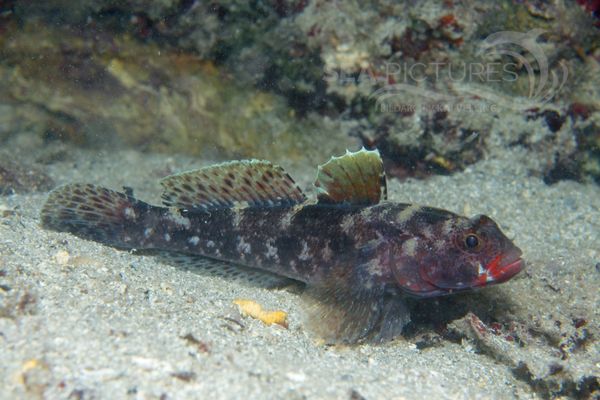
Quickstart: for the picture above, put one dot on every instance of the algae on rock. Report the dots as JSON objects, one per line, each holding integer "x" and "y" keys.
{"x": 91, "y": 91}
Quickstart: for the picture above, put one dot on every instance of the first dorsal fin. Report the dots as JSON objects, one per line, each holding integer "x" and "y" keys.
{"x": 224, "y": 185}
{"x": 354, "y": 178}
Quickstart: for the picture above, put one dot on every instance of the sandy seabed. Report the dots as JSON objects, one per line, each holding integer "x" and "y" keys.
{"x": 83, "y": 320}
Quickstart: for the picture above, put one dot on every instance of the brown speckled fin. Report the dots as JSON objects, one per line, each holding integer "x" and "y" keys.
{"x": 354, "y": 178}
{"x": 223, "y": 185}
{"x": 93, "y": 212}
{"x": 232, "y": 272}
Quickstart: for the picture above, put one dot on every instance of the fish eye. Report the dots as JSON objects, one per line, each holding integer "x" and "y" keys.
{"x": 471, "y": 241}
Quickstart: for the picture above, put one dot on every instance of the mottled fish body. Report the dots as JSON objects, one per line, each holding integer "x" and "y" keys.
{"x": 357, "y": 252}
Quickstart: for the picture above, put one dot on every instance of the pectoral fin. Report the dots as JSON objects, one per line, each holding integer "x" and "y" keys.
{"x": 394, "y": 317}
{"x": 337, "y": 316}
{"x": 345, "y": 310}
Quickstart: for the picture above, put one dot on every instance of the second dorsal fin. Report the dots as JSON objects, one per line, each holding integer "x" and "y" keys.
{"x": 255, "y": 182}
{"x": 354, "y": 178}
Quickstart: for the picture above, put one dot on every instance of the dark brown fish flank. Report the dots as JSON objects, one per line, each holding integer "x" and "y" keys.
{"x": 252, "y": 234}
{"x": 228, "y": 234}
{"x": 253, "y": 231}
{"x": 299, "y": 245}
{"x": 171, "y": 228}
{"x": 216, "y": 228}
{"x": 311, "y": 229}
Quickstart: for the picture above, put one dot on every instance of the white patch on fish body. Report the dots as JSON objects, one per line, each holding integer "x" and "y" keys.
{"x": 367, "y": 213}
{"x": 482, "y": 271}
{"x": 385, "y": 212}
{"x": 243, "y": 247}
{"x": 405, "y": 215}
{"x": 327, "y": 252}
{"x": 194, "y": 240}
{"x": 293, "y": 266}
{"x": 286, "y": 220}
{"x": 210, "y": 244}
{"x": 409, "y": 247}
{"x": 167, "y": 237}
{"x": 237, "y": 215}
{"x": 347, "y": 223}
{"x": 448, "y": 226}
{"x": 148, "y": 232}
{"x": 271, "y": 250}
{"x": 304, "y": 254}
{"x": 439, "y": 244}
{"x": 374, "y": 267}
{"x": 129, "y": 213}
{"x": 176, "y": 217}
{"x": 427, "y": 231}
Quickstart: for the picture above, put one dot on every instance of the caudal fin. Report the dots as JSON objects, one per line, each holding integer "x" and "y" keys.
{"x": 93, "y": 212}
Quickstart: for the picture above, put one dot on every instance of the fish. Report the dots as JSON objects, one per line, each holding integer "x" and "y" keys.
{"x": 359, "y": 255}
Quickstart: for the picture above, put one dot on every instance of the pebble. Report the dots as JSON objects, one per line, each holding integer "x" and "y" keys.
{"x": 62, "y": 257}
{"x": 5, "y": 211}
{"x": 298, "y": 377}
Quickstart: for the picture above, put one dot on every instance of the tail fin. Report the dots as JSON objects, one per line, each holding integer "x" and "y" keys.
{"x": 93, "y": 212}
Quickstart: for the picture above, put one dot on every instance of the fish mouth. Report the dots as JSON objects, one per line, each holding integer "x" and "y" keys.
{"x": 503, "y": 268}
{"x": 500, "y": 269}
{"x": 505, "y": 272}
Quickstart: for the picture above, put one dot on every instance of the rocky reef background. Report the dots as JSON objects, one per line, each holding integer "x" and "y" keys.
{"x": 295, "y": 80}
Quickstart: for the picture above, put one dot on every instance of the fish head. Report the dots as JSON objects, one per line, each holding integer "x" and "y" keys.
{"x": 463, "y": 254}
{"x": 476, "y": 253}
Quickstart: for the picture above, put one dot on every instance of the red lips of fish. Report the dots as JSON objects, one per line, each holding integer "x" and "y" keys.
{"x": 500, "y": 269}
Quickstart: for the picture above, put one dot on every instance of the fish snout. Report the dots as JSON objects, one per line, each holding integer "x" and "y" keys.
{"x": 505, "y": 266}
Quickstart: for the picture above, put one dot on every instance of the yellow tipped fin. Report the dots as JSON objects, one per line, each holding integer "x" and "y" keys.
{"x": 354, "y": 178}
